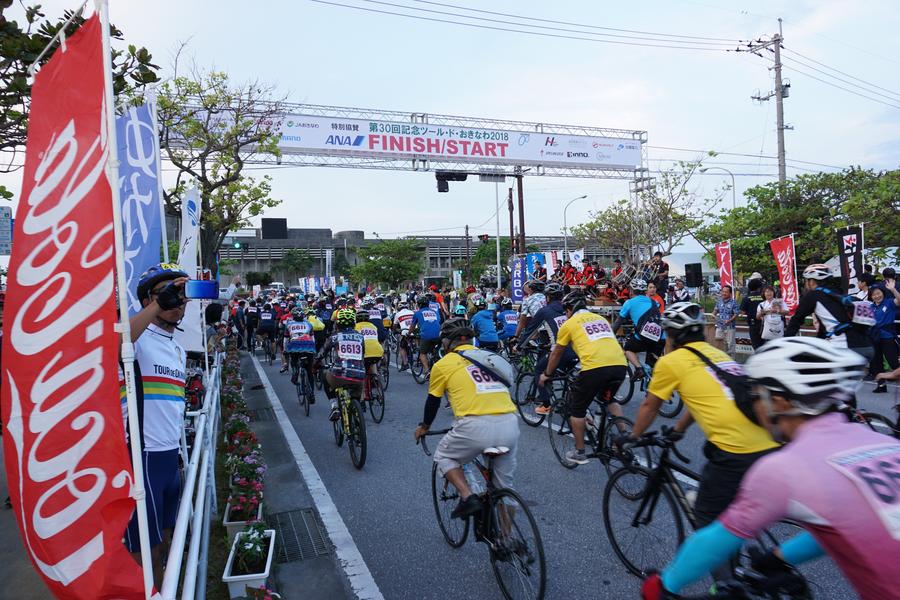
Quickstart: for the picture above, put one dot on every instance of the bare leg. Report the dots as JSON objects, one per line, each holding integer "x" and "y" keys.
{"x": 458, "y": 479}
{"x": 578, "y": 431}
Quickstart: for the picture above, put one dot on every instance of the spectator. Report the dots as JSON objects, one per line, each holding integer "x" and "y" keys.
{"x": 770, "y": 314}
{"x": 653, "y": 295}
{"x": 681, "y": 293}
{"x": 889, "y": 274}
{"x": 616, "y": 270}
{"x": 865, "y": 282}
{"x": 540, "y": 273}
{"x": 726, "y": 313}
{"x": 160, "y": 367}
{"x": 749, "y": 306}
{"x": 662, "y": 271}
{"x": 240, "y": 323}
{"x": 884, "y": 336}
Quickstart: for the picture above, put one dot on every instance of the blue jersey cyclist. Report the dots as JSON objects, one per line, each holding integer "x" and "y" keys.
{"x": 427, "y": 322}
{"x": 485, "y": 325}
{"x": 346, "y": 367}
{"x": 648, "y": 335}
{"x": 299, "y": 340}
{"x": 508, "y": 318}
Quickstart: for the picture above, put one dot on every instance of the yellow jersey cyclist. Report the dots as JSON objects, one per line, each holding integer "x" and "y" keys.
{"x": 374, "y": 351}
{"x": 602, "y": 365}
{"x": 485, "y": 416}
{"x": 838, "y": 480}
{"x": 733, "y": 441}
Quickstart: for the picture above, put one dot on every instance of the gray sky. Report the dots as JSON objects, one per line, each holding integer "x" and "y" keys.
{"x": 325, "y": 54}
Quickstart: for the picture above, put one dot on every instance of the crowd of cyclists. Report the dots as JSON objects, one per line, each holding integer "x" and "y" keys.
{"x": 779, "y": 444}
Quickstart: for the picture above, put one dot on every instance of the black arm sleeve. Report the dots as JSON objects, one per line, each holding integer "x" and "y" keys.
{"x": 535, "y": 322}
{"x": 806, "y": 307}
{"x": 432, "y": 404}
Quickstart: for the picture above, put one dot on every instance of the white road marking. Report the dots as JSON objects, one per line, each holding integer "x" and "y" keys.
{"x": 361, "y": 581}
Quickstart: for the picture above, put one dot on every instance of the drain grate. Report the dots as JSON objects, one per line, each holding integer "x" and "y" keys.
{"x": 262, "y": 414}
{"x": 301, "y": 535}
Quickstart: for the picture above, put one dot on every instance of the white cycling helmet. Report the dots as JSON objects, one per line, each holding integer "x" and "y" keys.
{"x": 638, "y": 285}
{"x": 811, "y": 373}
{"x": 818, "y": 272}
{"x": 683, "y": 315}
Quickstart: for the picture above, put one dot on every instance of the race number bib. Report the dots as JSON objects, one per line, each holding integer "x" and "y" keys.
{"x": 559, "y": 321}
{"x": 369, "y": 333}
{"x": 265, "y": 316}
{"x": 864, "y": 313}
{"x": 485, "y": 383}
{"x": 875, "y": 471}
{"x": 429, "y": 316}
{"x": 511, "y": 319}
{"x": 350, "y": 350}
{"x": 651, "y": 331}
{"x": 597, "y": 330}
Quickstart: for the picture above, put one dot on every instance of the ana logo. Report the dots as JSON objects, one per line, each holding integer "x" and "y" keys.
{"x": 524, "y": 138}
{"x": 620, "y": 147}
{"x": 577, "y": 155}
{"x": 551, "y": 141}
{"x": 850, "y": 243}
{"x": 344, "y": 140}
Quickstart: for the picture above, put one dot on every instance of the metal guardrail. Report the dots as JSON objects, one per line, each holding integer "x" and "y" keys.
{"x": 198, "y": 499}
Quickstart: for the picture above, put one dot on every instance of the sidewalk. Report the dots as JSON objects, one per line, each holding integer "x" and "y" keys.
{"x": 311, "y": 571}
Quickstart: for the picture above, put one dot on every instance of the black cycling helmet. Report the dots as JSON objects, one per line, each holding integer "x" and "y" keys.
{"x": 574, "y": 301}
{"x": 157, "y": 274}
{"x": 553, "y": 290}
{"x": 536, "y": 285}
{"x": 456, "y": 328}
{"x": 422, "y": 301}
{"x": 362, "y": 315}
{"x": 506, "y": 302}
{"x": 478, "y": 301}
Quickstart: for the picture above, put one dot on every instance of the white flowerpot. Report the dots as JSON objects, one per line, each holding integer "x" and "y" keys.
{"x": 234, "y": 527}
{"x": 237, "y": 584}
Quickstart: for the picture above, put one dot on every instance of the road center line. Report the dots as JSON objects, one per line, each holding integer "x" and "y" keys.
{"x": 361, "y": 581}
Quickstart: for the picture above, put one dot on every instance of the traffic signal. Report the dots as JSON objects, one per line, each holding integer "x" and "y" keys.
{"x": 236, "y": 245}
{"x": 484, "y": 238}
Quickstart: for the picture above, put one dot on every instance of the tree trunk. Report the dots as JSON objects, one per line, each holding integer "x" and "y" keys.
{"x": 210, "y": 240}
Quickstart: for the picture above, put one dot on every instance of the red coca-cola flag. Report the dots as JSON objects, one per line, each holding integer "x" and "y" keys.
{"x": 67, "y": 464}
{"x": 723, "y": 260}
{"x": 783, "y": 251}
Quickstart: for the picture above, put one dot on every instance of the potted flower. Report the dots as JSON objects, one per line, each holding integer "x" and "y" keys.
{"x": 250, "y": 560}
{"x": 262, "y": 593}
{"x": 244, "y": 506}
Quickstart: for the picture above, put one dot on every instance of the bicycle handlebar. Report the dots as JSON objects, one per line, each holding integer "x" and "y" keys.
{"x": 424, "y": 442}
{"x": 651, "y": 438}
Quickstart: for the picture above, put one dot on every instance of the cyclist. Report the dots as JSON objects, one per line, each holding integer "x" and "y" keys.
{"x": 835, "y": 325}
{"x": 324, "y": 311}
{"x": 251, "y": 318}
{"x": 534, "y": 301}
{"x": 374, "y": 351}
{"x": 461, "y": 311}
{"x": 647, "y": 336}
{"x": 402, "y": 321}
{"x": 299, "y": 339}
{"x": 318, "y": 326}
{"x": 346, "y": 367}
{"x": 267, "y": 326}
{"x": 836, "y": 479}
{"x": 484, "y": 412}
{"x": 508, "y": 318}
{"x": 485, "y": 325}
{"x": 427, "y": 322}
{"x": 733, "y": 441}
{"x": 602, "y": 365}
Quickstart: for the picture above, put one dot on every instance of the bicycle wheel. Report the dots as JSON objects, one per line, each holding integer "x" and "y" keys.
{"x": 654, "y": 538}
{"x": 526, "y": 398}
{"x": 613, "y": 461}
{"x": 445, "y": 498}
{"x": 560, "y": 431}
{"x": 881, "y": 424}
{"x": 671, "y": 407}
{"x": 338, "y": 427}
{"x": 376, "y": 400}
{"x": 625, "y": 392}
{"x": 416, "y": 368}
{"x": 517, "y": 554}
{"x": 303, "y": 391}
{"x": 356, "y": 436}
{"x": 384, "y": 369}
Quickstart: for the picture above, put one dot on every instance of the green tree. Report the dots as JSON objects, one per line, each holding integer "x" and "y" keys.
{"x": 210, "y": 128}
{"x": 252, "y": 278}
{"x": 813, "y": 206}
{"x": 390, "y": 262}
{"x": 341, "y": 267}
{"x": 295, "y": 261}
{"x": 20, "y": 45}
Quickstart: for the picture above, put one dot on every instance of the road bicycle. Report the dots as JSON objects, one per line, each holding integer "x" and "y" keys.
{"x": 644, "y": 518}
{"x": 300, "y": 374}
{"x": 600, "y": 429}
{"x": 270, "y": 351}
{"x": 384, "y": 369}
{"x": 352, "y": 426}
{"x": 747, "y": 584}
{"x": 373, "y": 395}
{"x": 417, "y": 368}
{"x": 504, "y": 523}
{"x": 877, "y": 422}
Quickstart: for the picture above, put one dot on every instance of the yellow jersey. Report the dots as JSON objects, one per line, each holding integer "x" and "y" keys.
{"x": 471, "y": 391}
{"x": 592, "y": 339}
{"x": 369, "y": 332}
{"x": 710, "y": 401}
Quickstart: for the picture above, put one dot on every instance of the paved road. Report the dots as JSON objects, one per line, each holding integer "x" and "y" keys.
{"x": 387, "y": 506}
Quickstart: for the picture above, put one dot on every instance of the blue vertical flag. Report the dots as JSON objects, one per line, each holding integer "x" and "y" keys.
{"x": 518, "y": 279}
{"x": 532, "y": 258}
{"x": 139, "y": 191}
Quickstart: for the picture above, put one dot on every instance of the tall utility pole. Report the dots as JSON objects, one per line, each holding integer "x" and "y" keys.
{"x": 468, "y": 256}
{"x": 512, "y": 240}
{"x": 521, "y": 211}
{"x": 779, "y": 93}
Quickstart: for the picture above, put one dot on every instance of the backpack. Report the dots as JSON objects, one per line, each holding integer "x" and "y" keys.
{"x": 649, "y": 326}
{"x": 737, "y": 382}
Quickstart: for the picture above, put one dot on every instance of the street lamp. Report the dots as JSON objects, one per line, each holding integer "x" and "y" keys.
{"x": 733, "y": 196}
{"x": 566, "y": 228}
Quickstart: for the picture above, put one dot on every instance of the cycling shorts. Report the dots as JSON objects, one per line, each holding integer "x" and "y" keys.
{"x": 268, "y": 333}
{"x": 162, "y": 481}
{"x": 602, "y": 382}
{"x": 371, "y": 361}
{"x": 637, "y": 345}
{"x": 428, "y": 346}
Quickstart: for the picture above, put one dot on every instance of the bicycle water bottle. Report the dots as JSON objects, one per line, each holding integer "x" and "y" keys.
{"x": 474, "y": 478}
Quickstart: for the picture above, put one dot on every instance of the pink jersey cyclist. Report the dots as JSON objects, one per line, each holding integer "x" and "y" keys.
{"x": 850, "y": 501}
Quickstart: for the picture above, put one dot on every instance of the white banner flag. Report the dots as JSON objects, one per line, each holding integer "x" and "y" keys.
{"x": 329, "y": 255}
{"x": 190, "y": 335}
{"x": 577, "y": 258}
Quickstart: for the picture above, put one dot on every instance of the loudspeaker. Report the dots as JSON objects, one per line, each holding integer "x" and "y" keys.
{"x": 274, "y": 229}
{"x": 693, "y": 274}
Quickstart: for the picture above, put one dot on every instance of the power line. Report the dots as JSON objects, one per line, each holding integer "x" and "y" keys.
{"x": 840, "y": 87}
{"x": 841, "y": 79}
{"x": 535, "y": 33}
{"x": 490, "y": 12}
{"x": 841, "y": 72}
{"x": 804, "y": 162}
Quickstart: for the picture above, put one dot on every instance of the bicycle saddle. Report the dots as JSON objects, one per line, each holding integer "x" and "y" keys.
{"x": 494, "y": 452}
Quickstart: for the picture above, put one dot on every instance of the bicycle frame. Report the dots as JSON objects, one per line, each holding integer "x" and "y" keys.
{"x": 663, "y": 475}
